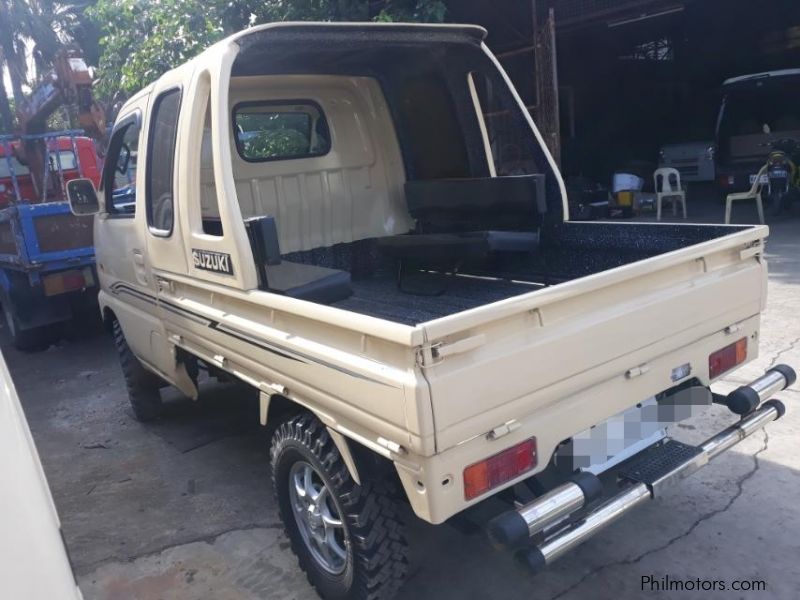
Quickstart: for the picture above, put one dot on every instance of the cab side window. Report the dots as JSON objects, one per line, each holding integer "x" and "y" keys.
{"x": 161, "y": 162}
{"x": 119, "y": 172}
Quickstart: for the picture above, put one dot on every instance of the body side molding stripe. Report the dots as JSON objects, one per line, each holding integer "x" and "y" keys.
{"x": 123, "y": 288}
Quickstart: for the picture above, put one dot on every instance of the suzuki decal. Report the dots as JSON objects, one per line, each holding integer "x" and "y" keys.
{"x": 218, "y": 262}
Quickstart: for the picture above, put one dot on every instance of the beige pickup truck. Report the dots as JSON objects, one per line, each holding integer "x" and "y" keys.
{"x": 363, "y": 223}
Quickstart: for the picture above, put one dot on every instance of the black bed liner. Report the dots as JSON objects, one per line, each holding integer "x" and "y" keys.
{"x": 379, "y": 297}
{"x": 568, "y": 251}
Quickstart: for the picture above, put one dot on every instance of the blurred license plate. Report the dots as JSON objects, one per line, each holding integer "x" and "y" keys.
{"x": 609, "y": 443}
{"x": 67, "y": 281}
{"x": 764, "y": 179}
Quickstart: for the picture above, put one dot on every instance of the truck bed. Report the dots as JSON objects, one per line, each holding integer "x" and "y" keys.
{"x": 379, "y": 297}
{"x": 569, "y": 251}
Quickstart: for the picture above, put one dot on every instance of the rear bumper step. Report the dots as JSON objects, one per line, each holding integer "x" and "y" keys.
{"x": 645, "y": 478}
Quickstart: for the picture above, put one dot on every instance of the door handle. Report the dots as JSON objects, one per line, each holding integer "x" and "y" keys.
{"x": 139, "y": 267}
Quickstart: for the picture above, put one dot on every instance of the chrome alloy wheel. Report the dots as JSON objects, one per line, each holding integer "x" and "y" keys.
{"x": 318, "y": 518}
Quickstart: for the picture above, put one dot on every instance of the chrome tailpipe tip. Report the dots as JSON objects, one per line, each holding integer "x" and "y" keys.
{"x": 514, "y": 528}
{"x": 532, "y": 559}
{"x": 788, "y": 373}
{"x": 779, "y": 407}
{"x": 745, "y": 399}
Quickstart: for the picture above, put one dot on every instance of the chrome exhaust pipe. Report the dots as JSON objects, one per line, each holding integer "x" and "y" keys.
{"x": 745, "y": 399}
{"x": 514, "y": 528}
{"x": 538, "y": 557}
{"x": 772, "y": 410}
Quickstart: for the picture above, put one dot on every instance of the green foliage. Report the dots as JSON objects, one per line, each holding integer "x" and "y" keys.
{"x": 349, "y": 10}
{"x": 60, "y": 120}
{"x": 143, "y": 39}
{"x": 432, "y": 11}
{"x": 276, "y": 143}
{"x": 273, "y": 135}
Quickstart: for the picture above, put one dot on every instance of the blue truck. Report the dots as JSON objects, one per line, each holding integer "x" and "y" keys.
{"x": 47, "y": 263}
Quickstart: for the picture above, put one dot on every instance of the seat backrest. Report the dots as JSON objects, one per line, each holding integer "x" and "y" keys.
{"x": 667, "y": 180}
{"x": 263, "y": 236}
{"x": 500, "y": 203}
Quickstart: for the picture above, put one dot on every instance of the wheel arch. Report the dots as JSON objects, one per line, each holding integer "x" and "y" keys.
{"x": 360, "y": 461}
{"x": 108, "y": 316}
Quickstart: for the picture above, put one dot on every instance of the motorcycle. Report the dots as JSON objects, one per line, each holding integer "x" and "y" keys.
{"x": 783, "y": 175}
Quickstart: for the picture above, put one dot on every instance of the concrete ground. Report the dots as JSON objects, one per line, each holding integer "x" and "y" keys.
{"x": 182, "y": 509}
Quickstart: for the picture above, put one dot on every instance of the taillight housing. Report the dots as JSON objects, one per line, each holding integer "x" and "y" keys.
{"x": 496, "y": 470}
{"x": 726, "y": 358}
{"x": 726, "y": 180}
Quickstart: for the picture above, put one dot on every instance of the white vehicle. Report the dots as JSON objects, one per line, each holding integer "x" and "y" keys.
{"x": 334, "y": 214}
{"x": 693, "y": 160}
{"x": 34, "y": 564}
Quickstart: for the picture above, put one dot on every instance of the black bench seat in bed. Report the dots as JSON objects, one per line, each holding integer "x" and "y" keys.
{"x": 308, "y": 282}
{"x": 465, "y": 220}
{"x": 457, "y": 246}
{"x": 461, "y": 219}
{"x": 296, "y": 280}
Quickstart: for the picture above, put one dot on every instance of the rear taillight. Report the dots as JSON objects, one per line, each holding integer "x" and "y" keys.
{"x": 496, "y": 470}
{"x": 726, "y": 180}
{"x": 726, "y": 358}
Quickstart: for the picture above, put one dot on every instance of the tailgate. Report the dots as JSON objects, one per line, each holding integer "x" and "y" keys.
{"x": 51, "y": 229}
{"x": 504, "y": 361}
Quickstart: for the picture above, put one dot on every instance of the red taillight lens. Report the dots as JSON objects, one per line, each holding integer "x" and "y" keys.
{"x": 67, "y": 281}
{"x": 728, "y": 357}
{"x": 483, "y": 476}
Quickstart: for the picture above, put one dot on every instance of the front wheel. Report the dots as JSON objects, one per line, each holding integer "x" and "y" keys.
{"x": 143, "y": 386}
{"x": 348, "y": 538}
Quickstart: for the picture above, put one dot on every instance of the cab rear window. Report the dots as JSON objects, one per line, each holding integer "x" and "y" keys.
{"x": 280, "y": 130}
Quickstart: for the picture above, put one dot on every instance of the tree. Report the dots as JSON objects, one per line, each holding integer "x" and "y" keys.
{"x": 6, "y": 116}
{"x": 141, "y": 40}
{"x": 12, "y": 45}
{"x": 38, "y": 27}
{"x": 47, "y": 26}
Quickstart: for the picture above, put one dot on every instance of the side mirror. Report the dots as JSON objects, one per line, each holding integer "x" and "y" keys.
{"x": 82, "y": 197}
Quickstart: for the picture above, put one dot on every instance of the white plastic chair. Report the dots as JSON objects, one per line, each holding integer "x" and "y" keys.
{"x": 670, "y": 187}
{"x": 754, "y": 193}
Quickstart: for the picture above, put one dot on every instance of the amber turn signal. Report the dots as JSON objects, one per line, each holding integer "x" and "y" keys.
{"x": 726, "y": 358}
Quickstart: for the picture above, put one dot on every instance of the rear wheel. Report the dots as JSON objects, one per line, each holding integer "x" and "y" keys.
{"x": 32, "y": 339}
{"x": 143, "y": 386}
{"x": 348, "y": 538}
{"x": 776, "y": 203}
